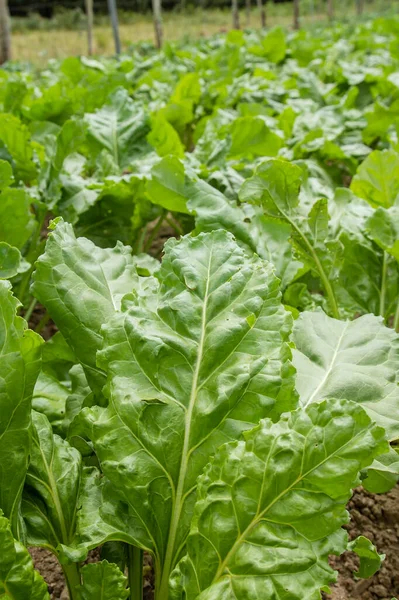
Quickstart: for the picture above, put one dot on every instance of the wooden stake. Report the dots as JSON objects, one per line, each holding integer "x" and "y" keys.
{"x": 5, "y": 32}
{"x": 235, "y": 13}
{"x": 262, "y": 12}
{"x": 296, "y": 14}
{"x": 248, "y": 12}
{"x": 113, "y": 12}
{"x": 89, "y": 13}
{"x": 330, "y": 9}
{"x": 157, "y": 10}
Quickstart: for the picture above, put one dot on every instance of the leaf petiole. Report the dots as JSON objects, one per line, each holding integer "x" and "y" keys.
{"x": 135, "y": 569}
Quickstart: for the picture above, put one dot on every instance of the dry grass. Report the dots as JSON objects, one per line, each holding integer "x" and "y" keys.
{"x": 37, "y": 46}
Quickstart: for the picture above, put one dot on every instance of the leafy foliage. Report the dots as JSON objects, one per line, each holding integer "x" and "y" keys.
{"x": 216, "y": 408}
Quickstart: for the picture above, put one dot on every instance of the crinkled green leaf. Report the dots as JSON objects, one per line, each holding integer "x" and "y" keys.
{"x": 18, "y": 578}
{"x": 269, "y": 238}
{"x": 119, "y": 127}
{"x": 81, "y": 285}
{"x": 370, "y": 560}
{"x": 19, "y": 367}
{"x": 276, "y": 186}
{"x": 377, "y": 179}
{"x": 216, "y": 333}
{"x": 103, "y": 581}
{"x": 349, "y": 359}
{"x": 270, "y": 508}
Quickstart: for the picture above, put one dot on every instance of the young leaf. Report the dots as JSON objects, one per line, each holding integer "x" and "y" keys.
{"x": 270, "y": 508}
{"x": 19, "y": 367}
{"x": 276, "y": 187}
{"x": 18, "y": 578}
{"x": 81, "y": 285}
{"x": 370, "y": 560}
{"x": 349, "y": 359}
{"x": 50, "y": 500}
{"x": 188, "y": 369}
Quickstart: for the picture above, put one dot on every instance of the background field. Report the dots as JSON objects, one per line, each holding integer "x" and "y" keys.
{"x": 35, "y": 38}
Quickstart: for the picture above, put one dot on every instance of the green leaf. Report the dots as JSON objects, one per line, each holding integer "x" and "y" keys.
{"x": 119, "y": 127}
{"x": 370, "y": 560}
{"x": 360, "y": 279}
{"x": 19, "y": 367}
{"x": 216, "y": 333}
{"x": 276, "y": 187}
{"x": 270, "y": 508}
{"x": 53, "y": 386}
{"x": 383, "y": 474}
{"x": 377, "y": 179}
{"x": 11, "y": 261}
{"x": 51, "y": 493}
{"x": 166, "y": 186}
{"x": 383, "y": 228}
{"x": 18, "y": 578}
{"x": 17, "y": 221}
{"x": 6, "y": 176}
{"x": 269, "y": 238}
{"x": 81, "y": 286}
{"x": 68, "y": 140}
{"x": 251, "y": 137}
{"x": 16, "y": 138}
{"x": 356, "y": 360}
{"x": 103, "y": 581}
{"x": 164, "y": 138}
{"x": 274, "y": 45}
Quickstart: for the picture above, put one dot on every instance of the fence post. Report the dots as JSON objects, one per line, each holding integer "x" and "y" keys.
{"x": 262, "y": 12}
{"x": 89, "y": 13}
{"x": 5, "y": 32}
{"x": 157, "y": 10}
{"x": 115, "y": 25}
{"x": 360, "y": 7}
{"x": 235, "y": 14}
{"x": 330, "y": 9}
{"x": 248, "y": 12}
{"x": 296, "y": 14}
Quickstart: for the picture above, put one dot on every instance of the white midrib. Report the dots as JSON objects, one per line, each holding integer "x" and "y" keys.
{"x": 163, "y": 588}
{"x": 330, "y": 367}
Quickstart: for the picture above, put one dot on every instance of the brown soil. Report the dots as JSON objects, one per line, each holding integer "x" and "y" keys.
{"x": 49, "y": 567}
{"x": 40, "y": 320}
{"x": 376, "y": 517}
